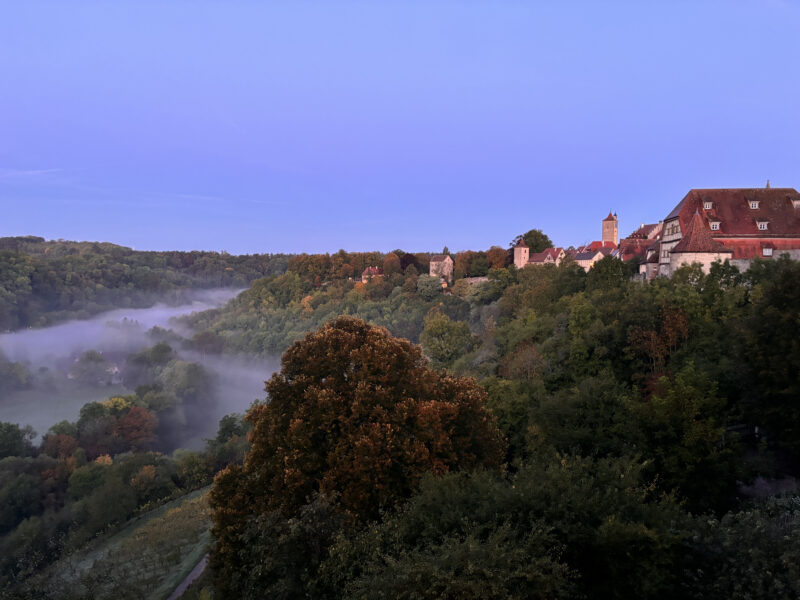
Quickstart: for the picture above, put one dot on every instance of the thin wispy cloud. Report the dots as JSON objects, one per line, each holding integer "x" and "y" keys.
{"x": 6, "y": 173}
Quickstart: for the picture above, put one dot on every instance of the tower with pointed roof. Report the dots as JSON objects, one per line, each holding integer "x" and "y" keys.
{"x": 697, "y": 246}
{"x": 610, "y": 229}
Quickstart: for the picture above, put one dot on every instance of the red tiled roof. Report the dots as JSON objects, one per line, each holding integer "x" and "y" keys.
{"x": 697, "y": 238}
{"x": 643, "y": 232}
{"x": 610, "y": 217}
{"x": 631, "y": 248}
{"x": 731, "y": 207}
{"x": 440, "y": 257}
{"x": 754, "y": 247}
{"x": 595, "y": 245}
{"x": 372, "y": 272}
{"x": 521, "y": 244}
{"x": 553, "y": 253}
{"x": 537, "y": 257}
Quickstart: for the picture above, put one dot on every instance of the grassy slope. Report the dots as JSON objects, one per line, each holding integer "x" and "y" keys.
{"x": 148, "y": 558}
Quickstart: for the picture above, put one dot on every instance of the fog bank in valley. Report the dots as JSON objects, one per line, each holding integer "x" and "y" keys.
{"x": 122, "y": 330}
{"x": 50, "y": 354}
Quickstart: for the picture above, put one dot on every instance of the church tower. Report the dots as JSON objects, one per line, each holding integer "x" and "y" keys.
{"x": 610, "y": 233}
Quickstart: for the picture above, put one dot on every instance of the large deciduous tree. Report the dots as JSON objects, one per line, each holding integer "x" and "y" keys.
{"x": 356, "y": 416}
{"x": 536, "y": 240}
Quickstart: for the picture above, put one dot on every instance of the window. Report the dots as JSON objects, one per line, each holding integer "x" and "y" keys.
{"x": 707, "y": 205}
{"x": 795, "y": 203}
{"x": 714, "y": 225}
{"x": 753, "y": 203}
{"x": 762, "y": 225}
{"x": 767, "y": 251}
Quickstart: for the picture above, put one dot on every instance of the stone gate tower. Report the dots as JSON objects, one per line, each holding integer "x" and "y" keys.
{"x": 610, "y": 231}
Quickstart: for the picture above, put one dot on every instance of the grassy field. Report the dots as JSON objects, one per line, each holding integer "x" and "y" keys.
{"x": 146, "y": 559}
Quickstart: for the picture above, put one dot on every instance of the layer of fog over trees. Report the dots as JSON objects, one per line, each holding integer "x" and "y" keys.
{"x": 51, "y": 355}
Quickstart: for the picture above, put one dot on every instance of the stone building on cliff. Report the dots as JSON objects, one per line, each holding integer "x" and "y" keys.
{"x": 738, "y": 224}
{"x": 441, "y": 266}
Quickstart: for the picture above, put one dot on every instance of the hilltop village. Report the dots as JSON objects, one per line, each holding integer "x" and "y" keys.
{"x": 707, "y": 225}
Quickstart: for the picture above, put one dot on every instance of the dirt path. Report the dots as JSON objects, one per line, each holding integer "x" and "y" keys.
{"x": 194, "y": 574}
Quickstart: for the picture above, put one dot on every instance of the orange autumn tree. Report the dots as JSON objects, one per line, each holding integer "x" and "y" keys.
{"x": 137, "y": 428}
{"x": 356, "y": 415}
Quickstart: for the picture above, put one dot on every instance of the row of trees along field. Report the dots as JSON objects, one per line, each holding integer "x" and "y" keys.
{"x": 645, "y": 430}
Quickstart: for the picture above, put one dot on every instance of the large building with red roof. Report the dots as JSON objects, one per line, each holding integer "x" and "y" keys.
{"x": 735, "y": 224}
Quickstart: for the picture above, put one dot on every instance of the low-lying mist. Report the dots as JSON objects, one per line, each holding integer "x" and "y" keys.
{"x": 122, "y": 330}
{"x": 57, "y": 391}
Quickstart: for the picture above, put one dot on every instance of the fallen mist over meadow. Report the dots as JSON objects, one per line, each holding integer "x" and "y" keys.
{"x": 51, "y": 373}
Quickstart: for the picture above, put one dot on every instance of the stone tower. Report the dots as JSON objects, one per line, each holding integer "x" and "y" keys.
{"x": 610, "y": 233}
{"x": 521, "y": 254}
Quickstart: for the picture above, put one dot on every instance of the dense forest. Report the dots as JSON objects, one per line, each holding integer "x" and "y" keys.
{"x": 535, "y": 433}
{"x": 650, "y": 428}
{"x": 43, "y": 282}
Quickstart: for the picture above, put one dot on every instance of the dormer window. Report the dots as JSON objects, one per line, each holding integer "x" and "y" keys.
{"x": 767, "y": 251}
{"x": 796, "y": 202}
{"x": 707, "y": 205}
{"x": 714, "y": 225}
{"x": 754, "y": 204}
{"x": 762, "y": 225}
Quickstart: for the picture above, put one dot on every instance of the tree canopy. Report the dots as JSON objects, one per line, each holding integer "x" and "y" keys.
{"x": 536, "y": 240}
{"x": 355, "y": 415}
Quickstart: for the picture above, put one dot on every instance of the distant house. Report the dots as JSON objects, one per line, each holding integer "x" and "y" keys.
{"x": 635, "y": 246}
{"x": 441, "y": 266}
{"x": 549, "y": 256}
{"x": 371, "y": 273}
{"x": 587, "y": 258}
{"x": 649, "y": 267}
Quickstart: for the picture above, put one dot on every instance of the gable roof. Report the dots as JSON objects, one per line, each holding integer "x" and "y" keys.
{"x": 547, "y": 255}
{"x": 597, "y": 244}
{"x": 643, "y": 232}
{"x": 440, "y": 257}
{"x": 610, "y": 217}
{"x": 372, "y": 271}
{"x": 698, "y": 238}
{"x": 731, "y": 207}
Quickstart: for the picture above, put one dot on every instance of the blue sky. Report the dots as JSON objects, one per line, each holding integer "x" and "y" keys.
{"x": 300, "y": 126}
